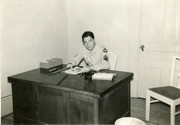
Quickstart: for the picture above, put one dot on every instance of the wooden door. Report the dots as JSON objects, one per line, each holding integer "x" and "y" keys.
{"x": 159, "y": 41}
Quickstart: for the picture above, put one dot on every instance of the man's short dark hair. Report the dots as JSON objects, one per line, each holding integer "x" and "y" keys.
{"x": 88, "y": 33}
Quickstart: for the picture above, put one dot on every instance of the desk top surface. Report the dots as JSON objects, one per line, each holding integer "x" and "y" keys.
{"x": 73, "y": 83}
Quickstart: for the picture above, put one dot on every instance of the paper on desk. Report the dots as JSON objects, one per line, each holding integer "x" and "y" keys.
{"x": 103, "y": 76}
{"x": 76, "y": 70}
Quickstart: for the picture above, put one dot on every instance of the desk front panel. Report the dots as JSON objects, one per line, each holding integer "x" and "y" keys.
{"x": 52, "y": 106}
{"x": 25, "y": 101}
{"x": 115, "y": 104}
{"x": 80, "y": 109}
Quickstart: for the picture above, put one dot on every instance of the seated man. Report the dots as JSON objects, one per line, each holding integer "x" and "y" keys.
{"x": 93, "y": 54}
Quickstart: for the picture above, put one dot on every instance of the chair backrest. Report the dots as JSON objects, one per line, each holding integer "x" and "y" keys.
{"x": 112, "y": 60}
{"x": 175, "y": 58}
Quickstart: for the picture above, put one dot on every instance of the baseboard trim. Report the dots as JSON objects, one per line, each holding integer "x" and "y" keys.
{"x": 6, "y": 105}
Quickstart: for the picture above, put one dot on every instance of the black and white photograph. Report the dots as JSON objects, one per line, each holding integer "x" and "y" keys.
{"x": 90, "y": 62}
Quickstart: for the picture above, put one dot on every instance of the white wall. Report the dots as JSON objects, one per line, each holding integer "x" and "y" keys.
{"x": 115, "y": 23}
{"x": 108, "y": 19}
{"x": 31, "y": 31}
{"x": 35, "y": 30}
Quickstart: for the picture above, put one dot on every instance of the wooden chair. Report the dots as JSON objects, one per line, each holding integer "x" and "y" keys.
{"x": 167, "y": 94}
{"x": 112, "y": 60}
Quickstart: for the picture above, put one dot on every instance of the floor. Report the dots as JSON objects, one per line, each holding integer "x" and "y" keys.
{"x": 160, "y": 113}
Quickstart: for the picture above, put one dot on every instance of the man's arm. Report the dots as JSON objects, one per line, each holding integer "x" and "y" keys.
{"x": 104, "y": 64}
{"x": 76, "y": 60}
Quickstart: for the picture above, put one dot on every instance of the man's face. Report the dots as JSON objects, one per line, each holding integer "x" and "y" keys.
{"x": 89, "y": 43}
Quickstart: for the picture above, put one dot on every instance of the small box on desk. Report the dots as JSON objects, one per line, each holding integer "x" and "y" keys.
{"x": 51, "y": 65}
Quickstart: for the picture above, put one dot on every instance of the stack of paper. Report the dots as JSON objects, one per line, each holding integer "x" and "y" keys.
{"x": 103, "y": 76}
{"x": 74, "y": 71}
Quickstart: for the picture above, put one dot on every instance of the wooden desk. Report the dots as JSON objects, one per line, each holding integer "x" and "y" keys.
{"x": 38, "y": 99}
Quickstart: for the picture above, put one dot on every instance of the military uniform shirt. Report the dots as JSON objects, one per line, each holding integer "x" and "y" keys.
{"x": 97, "y": 57}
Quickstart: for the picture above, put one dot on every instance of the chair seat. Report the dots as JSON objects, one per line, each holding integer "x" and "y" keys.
{"x": 167, "y": 91}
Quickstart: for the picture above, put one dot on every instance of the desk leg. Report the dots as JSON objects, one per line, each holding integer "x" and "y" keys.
{"x": 66, "y": 105}
{"x": 96, "y": 110}
{"x": 129, "y": 99}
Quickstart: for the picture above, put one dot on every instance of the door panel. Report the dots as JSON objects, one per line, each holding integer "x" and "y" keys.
{"x": 160, "y": 34}
{"x": 152, "y": 20}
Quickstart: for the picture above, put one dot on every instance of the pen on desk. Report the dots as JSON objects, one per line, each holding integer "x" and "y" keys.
{"x": 62, "y": 79}
{"x": 80, "y": 62}
{"x": 58, "y": 71}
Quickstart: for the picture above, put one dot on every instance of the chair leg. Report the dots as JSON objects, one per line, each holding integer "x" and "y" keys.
{"x": 147, "y": 106}
{"x": 172, "y": 115}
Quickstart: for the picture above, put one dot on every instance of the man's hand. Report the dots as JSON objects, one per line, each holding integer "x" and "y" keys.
{"x": 70, "y": 65}
{"x": 89, "y": 64}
